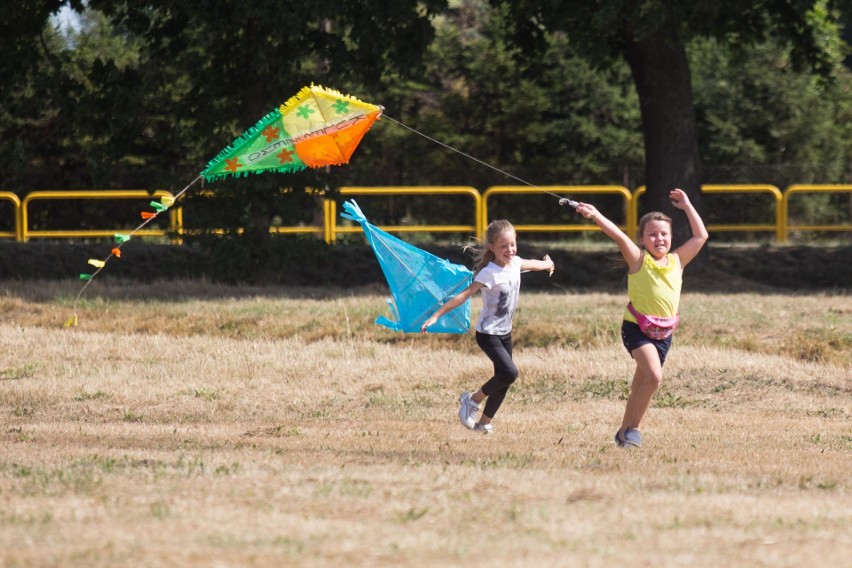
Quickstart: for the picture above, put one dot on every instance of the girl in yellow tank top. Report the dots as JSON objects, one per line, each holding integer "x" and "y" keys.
{"x": 655, "y": 289}
{"x": 653, "y": 285}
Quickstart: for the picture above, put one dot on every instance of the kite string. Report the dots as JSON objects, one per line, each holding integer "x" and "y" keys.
{"x": 562, "y": 200}
{"x": 119, "y": 245}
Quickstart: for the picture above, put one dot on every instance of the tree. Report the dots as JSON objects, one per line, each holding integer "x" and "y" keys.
{"x": 552, "y": 120}
{"x": 22, "y": 28}
{"x": 59, "y": 112}
{"x": 755, "y": 111}
{"x": 652, "y": 36}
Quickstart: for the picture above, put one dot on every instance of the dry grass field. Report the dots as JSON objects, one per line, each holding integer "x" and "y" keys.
{"x": 187, "y": 424}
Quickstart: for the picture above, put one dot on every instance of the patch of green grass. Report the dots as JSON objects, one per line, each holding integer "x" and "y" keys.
{"x": 105, "y": 464}
{"x": 24, "y": 372}
{"x": 20, "y": 435}
{"x": 206, "y": 394}
{"x": 412, "y": 514}
{"x": 18, "y": 470}
{"x": 130, "y": 416}
{"x": 599, "y": 387}
{"x": 510, "y": 460}
{"x": 77, "y": 479}
{"x": 545, "y": 386}
{"x": 189, "y": 467}
{"x": 723, "y": 386}
{"x": 828, "y": 413}
{"x": 83, "y": 396}
{"x": 160, "y": 510}
{"x": 381, "y": 400}
{"x": 670, "y": 400}
{"x": 11, "y": 518}
{"x": 227, "y": 469}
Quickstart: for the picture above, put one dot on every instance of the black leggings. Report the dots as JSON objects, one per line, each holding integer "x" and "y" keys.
{"x": 499, "y": 350}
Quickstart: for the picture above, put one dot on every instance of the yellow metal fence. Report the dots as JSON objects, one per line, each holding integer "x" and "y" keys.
{"x": 780, "y": 220}
{"x": 16, "y": 212}
{"x": 24, "y": 233}
{"x": 794, "y": 190}
{"x": 479, "y": 212}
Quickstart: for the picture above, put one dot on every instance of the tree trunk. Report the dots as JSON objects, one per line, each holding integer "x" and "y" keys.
{"x": 661, "y": 73}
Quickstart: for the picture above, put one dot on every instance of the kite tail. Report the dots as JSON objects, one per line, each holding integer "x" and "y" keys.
{"x": 390, "y": 324}
{"x": 353, "y": 212}
{"x": 122, "y": 238}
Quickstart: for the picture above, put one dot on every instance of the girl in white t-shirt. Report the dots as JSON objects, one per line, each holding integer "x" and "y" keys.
{"x": 497, "y": 272}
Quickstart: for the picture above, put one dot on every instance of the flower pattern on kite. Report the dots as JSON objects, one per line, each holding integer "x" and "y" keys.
{"x": 317, "y": 127}
{"x": 420, "y": 282}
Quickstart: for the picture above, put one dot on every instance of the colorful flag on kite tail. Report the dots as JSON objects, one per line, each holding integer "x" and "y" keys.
{"x": 420, "y": 282}
{"x": 317, "y": 127}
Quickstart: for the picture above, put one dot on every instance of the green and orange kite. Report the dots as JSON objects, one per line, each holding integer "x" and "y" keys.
{"x": 317, "y": 127}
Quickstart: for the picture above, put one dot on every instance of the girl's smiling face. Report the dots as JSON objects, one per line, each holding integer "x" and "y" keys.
{"x": 504, "y": 248}
{"x": 657, "y": 238}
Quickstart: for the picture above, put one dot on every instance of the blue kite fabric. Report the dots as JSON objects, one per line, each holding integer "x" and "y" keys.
{"x": 420, "y": 282}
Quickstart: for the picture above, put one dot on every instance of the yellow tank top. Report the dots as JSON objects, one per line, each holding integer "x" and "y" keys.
{"x": 655, "y": 290}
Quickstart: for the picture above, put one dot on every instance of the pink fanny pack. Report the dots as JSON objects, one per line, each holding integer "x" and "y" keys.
{"x": 655, "y": 327}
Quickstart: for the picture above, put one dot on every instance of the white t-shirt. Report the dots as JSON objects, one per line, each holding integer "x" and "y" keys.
{"x": 501, "y": 285}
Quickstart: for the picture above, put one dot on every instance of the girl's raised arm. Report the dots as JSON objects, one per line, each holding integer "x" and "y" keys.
{"x": 689, "y": 250}
{"x": 629, "y": 250}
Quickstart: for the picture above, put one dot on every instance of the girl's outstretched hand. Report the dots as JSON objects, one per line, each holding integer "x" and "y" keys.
{"x": 547, "y": 258}
{"x": 679, "y": 198}
{"x": 427, "y": 323}
{"x": 587, "y": 211}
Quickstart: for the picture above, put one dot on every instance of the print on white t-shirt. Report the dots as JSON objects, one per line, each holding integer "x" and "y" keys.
{"x": 501, "y": 286}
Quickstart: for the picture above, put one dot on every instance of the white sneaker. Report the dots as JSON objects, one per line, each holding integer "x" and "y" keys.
{"x": 484, "y": 428}
{"x": 468, "y": 409}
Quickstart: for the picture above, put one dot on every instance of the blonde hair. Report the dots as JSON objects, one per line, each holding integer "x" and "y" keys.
{"x": 482, "y": 255}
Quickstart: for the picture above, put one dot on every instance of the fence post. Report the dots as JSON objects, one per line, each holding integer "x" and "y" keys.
{"x": 16, "y": 204}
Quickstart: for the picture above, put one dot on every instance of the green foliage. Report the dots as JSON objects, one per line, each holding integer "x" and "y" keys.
{"x": 601, "y": 29}
{"x": 22, "y": 29}
{"x": 757, "y": 109}
{"x": 762, "y": 121}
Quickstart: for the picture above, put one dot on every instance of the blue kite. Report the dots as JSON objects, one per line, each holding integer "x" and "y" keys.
{"x": 419, "y": 281}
